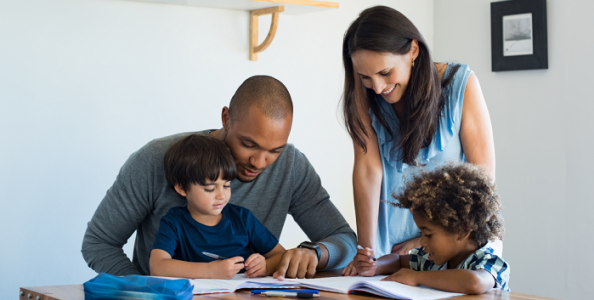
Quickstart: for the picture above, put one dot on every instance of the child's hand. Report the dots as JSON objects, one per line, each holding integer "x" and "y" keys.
{"x": 226, "y": 269}
{"x": 255, "y": 266}
{"x": 363, "y": 263}
{"x": 404, "y": 276}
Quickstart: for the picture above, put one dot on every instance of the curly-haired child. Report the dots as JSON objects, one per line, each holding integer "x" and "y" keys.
{"x": 457, "y": 210}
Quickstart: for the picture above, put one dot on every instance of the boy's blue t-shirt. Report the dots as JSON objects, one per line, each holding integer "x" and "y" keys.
{"x": 237, "y": 234}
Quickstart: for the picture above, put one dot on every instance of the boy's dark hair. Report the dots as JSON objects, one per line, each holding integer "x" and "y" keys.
{"x": 460, "y": 197}
{"x": 196, "y": 158}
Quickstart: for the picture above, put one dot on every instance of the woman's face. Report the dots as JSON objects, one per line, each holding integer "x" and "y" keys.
{"x": 385, "y": 73}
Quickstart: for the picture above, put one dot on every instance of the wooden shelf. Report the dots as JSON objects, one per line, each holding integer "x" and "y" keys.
{"x": 293, "y": 7}
{"x": 256, "y": 9}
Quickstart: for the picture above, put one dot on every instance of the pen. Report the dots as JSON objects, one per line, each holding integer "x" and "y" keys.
{"x": 290, "y": 294}
{"x": 359, "y": 247}
{"x": 213, "y": 255}
{"x": 285, "y": 291}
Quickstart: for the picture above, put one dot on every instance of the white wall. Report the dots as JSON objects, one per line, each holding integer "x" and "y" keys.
{"x": 84, "y": 83}
{"x": 542, "y": 126}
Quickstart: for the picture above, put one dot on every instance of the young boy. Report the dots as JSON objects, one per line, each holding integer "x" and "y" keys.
{"x": 200, "y": 168}
{"x": 458, "y": 212}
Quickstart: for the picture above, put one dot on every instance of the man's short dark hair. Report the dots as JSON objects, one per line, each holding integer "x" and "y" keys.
{"x": 196, "y": 158}
{"x": 267, "y": 93}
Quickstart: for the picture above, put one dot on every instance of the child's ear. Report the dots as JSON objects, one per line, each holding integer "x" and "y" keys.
{"x": 180, "y": 190}
{"x": 464, "y": 236}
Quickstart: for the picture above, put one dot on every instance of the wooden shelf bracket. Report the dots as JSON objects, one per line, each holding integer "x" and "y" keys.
{"x": 254, "y": 14}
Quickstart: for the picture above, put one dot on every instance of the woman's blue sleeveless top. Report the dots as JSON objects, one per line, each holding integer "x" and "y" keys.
{"x": 396, "y": 225}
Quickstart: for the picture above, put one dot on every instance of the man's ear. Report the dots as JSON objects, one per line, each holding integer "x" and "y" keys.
{"x": 226, "y": 118}
{"x": 180, "y": 190}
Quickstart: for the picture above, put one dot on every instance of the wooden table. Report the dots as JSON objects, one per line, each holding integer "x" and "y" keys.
{"x": 76, "y": 292}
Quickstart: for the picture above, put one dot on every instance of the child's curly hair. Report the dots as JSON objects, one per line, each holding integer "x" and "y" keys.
{"x": 460, "y": 197}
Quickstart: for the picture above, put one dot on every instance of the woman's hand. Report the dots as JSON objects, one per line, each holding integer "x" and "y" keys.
{"x": 404, "y": 247}
{"x": 364, "y": 264}
{"x": 255, "y": 266}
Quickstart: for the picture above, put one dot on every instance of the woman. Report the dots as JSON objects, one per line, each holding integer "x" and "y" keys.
{"x": 404, "y": 112}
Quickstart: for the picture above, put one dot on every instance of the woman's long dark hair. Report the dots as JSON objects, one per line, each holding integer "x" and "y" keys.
{"x": 384, "y": 29}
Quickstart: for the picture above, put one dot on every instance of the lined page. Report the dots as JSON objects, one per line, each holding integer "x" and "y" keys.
{"x": 339, "y": 284}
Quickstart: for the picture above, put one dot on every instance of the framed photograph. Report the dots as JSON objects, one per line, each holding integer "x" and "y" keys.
{"x": 519, "y": 35}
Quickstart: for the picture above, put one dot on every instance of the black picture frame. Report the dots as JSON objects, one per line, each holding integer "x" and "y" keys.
{"x": 516, "y": 55}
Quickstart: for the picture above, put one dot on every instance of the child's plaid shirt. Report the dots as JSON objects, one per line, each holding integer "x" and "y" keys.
{"x": 481, "y": 259}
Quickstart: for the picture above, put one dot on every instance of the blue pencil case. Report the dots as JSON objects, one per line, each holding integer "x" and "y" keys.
{"x": 105, "y": 286}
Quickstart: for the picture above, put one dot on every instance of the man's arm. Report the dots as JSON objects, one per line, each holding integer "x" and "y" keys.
{"x": 125, "y": 206}
{"x": 319, "y": 218}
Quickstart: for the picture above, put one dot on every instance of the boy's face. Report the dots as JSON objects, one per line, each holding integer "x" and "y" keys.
{"x": 441, "y": 245}
{"x": 205, "y": 202}
{"x": 255, "y": 141}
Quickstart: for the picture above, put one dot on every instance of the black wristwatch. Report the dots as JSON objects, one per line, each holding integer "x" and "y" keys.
{"x": 313, "y": 246}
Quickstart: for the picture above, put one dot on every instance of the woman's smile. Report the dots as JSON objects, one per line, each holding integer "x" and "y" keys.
{"x": 389, "y": 92}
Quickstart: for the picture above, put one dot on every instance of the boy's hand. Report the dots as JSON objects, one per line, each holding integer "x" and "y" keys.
{"x": 363, "y": 263}
{"x": 226, "y": 269}
{"x": 255, "y": 266}
{"x": 404, "y": 276}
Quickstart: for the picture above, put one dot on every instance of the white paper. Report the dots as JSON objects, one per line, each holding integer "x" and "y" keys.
{"x": 334, "y": 284}
{"x": 392, "y": 289}
{"x": 240, "y": 281}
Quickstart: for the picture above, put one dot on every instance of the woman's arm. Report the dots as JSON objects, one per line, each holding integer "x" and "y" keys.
{"x": 457, "y": 281}
{"x": 161, "y": 264}
{"x": 367, "y": 179}
{"x": 476, "y": 132}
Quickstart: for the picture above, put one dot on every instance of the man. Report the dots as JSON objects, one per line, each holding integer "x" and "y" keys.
{"x": 274, "y": 179}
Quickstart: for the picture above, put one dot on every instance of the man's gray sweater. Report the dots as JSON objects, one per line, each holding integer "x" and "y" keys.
{"x": 140, "y": 196}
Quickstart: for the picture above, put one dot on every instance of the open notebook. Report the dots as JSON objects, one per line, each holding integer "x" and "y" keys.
{"x": 373, "y": 285}
{"x": 344, "y": 285}
{"x": 240, "y": 281}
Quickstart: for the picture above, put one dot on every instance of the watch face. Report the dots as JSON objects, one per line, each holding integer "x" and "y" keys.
{"x": 312, "y": 246}
{"x": 308, "y": 245}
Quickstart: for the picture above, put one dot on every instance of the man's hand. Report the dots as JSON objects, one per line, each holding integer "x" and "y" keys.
{"x": 404, "y": 276}
{"x": 226, "y": 269}
{"x": 297, "y": 263}
{"x": 404, "y": 247}
{"x": 255, "y": 266}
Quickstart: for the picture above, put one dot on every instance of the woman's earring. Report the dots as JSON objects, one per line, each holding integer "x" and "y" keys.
{"x": 413, "y": 63}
